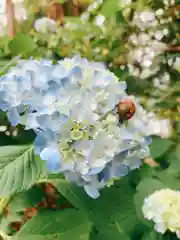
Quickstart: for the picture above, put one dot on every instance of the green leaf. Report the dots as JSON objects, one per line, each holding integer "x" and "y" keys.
{"x": 35, "y": 237}
{"x": 159, "y": 146}
{"x": 151, "y": 236}
{"x": 77, "y": 233}
{"x": 111, "y": 231}
{"x": 178, "y": 127}
{"x": 113, "y": 208}
{"x": 13, "y": 217}
{"x": 29, "y": 198}
{"x": 178, "y": 154}
{"x": 21, "y": 43}
{"x": 61, "y": 1}
{"x": 19, "y": 169}
{"x": 146, "y": 187}
{"x": 67, "y": 224}
{"x": 110, "y": 7}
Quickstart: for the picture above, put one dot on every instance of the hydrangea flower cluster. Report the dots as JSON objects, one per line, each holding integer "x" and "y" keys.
{"x": 163, "y": 208}
{"x": 71, "y": 106}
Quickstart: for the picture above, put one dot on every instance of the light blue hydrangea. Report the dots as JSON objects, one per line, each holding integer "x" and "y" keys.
{"x": 72, "y": 108}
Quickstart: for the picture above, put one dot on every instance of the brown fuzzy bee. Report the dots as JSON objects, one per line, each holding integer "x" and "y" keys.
{"x": 125, "y": 109}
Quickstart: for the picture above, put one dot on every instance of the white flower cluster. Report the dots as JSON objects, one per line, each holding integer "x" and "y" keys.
{"x": 145, "y": 46}
{"x": 45, "y": 25}
{"x": 145, "y": 19}
{"x": 162, "y": 82}
{"x": 90, "y": 10}
{"x": 150, "y": 123}
{"x": 163, "y": 208}
{"x": 146, "y": 49}
{"x": 175, "y": 63}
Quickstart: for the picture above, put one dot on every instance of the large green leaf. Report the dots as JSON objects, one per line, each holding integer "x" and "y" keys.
{"x": 159, "y": 146}
{"x": 30, "y": 198}
{"x": 77, "y": 233}
{"x": 109, "y": 8}
{"x": 19, "y": 169}
{"x": 21, "y": 43}
{"x": 110, "y": 231}
{"x": 146, "y": 187}
{"x": 67, "y": 224}
{"x": 113, "y": 208}
{"x": 152, "y": 236}
{"x": 35, "y": 237}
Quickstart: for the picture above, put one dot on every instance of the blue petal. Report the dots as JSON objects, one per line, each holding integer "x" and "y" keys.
{"x": 50, "y": 153}
{"x": 121, "y": 170}
{"x": 31, "y": 122}
{"x": 4, "y": 106}
{"x": 104, "y": 175}
{"x": 39, "y": 143}
{"x": 59, "y": 72}
{"x": 13, "y": 116}
{"x": 148, "y": 140}
{"x": 53, "y": 165}
{"x": 91, "y": 191}
{"x": 95, "y": 170}
{"x": 42, "y": 140}
{"x": 52, "y": 156}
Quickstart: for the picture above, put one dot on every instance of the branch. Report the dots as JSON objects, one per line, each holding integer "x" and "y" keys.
{"x": 171, "y": 49}
{"x": 10, "y": 18}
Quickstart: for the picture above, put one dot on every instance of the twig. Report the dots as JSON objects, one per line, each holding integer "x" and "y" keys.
{"x": 172, "y": 49}
{"x": 75, "y": 9}
{"x": 10, "y": 18}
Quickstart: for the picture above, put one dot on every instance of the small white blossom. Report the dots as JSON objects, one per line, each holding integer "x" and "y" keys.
{"x": 124, "y": 3}
{"x": 20, "y": 12}
{"x": 45, "y": 25}
{"x": 145, "y": 19}
{"x": 176, "y": 64}
{"x": 100, "y": 20}
{"x": 159, "y": 12}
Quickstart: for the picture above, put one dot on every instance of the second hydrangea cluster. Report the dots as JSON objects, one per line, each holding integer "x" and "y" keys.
{"x": 163, "y": 208}
{"x": 71, "y": 106}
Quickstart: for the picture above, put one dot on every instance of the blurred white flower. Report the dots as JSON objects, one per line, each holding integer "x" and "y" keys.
{"x": 144, "y": 52}
{"x": 17, "y": 1}
{"x": 123, "y": 3}
{"x": 159, "y": 35}
{"x": 3, "y": 128}
{"x": 45, "y": 25}
{"x": 145, "y": 19}
{"x": 176, "y": 64}
{"x": 163, "y": 208}
{"x": 2, "y": 6}
{"x": 159, "y": 12}
{"x": 20, "y": 12}
{"x": 85, "y": 16}
{"x": 160, "y": 127}
{"x": 99, "y": 21}
{"x": 162, "y": 82}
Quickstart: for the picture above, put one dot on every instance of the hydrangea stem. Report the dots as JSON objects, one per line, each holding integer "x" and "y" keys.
{"x": 10, "y": 18}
